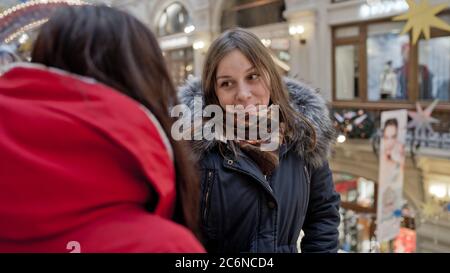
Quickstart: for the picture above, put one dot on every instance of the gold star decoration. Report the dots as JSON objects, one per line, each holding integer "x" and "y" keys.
{"x": 421, "y": 17}
{"x": 431, "y": 209}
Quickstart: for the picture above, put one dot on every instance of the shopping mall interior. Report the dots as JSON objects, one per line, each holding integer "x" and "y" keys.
{"x": 366, "y": 64}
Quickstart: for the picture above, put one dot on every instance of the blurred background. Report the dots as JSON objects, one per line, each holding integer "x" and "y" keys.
{"x": 358, "y": 58}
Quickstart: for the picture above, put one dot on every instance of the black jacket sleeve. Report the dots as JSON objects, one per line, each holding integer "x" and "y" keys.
{"x": 322, "y": 217}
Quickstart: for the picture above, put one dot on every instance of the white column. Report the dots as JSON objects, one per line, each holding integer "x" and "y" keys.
{"x": 302, "y": 54}
{"x": 200, "y": 53}
{"x": 311, "y": 62}
{"x": 323, "y": 70}
{"x": 202, "y": 21}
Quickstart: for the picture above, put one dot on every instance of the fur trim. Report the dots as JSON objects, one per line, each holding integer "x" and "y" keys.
{"x": 303, "y": 98}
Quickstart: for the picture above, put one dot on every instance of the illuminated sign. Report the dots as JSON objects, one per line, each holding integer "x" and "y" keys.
{"x": 381, "y": 7}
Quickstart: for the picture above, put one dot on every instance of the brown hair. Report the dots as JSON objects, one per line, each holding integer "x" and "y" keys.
{"x": 116, "y": 49}
{"x": 253, "y": 49}
{"x": 390, "y": 122}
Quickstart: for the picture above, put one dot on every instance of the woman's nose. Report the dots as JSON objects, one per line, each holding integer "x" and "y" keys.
{"x": 244, "y": 93}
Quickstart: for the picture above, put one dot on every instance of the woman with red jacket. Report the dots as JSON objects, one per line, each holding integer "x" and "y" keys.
{"x": 87, "y": 162}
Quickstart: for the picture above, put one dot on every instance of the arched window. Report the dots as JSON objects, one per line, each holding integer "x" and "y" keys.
{"x": 251, "y": 13}
{"x": 174, "y": 19}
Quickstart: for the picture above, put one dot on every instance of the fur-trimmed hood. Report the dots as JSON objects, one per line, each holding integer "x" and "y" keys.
{"x": 303, "y": 98}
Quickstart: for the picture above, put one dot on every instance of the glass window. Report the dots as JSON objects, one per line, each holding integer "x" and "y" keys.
{"x": 247, "y": 13}
{"x": 434, "y": 69}
{"x": 174, "y": 19}
{"x": 434, "y": 66}
{"x": 345, "y": 32}
{"x": 387, "y": 62}
{"x": 346, "y": 72}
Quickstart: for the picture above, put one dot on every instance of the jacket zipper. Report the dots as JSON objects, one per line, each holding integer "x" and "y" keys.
{"x": 308, "y": 179}
{"x": 208, "y": 189}
{"x": 308, "y": 183}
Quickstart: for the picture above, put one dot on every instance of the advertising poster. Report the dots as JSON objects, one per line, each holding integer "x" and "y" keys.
{"x": 391, "y": 172}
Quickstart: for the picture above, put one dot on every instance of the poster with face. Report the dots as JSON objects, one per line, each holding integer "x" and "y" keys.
{"x": 391, "y": 171}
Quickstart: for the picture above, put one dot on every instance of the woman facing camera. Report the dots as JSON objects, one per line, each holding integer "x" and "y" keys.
{"x": 255, "y": 199}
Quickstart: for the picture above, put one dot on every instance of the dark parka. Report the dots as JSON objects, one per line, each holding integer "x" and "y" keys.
{"x": 244, "y": 211}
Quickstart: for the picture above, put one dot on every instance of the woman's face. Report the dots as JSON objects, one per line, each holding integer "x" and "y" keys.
{"x": 239, "y": 83}
{"x": 389, "y": 139}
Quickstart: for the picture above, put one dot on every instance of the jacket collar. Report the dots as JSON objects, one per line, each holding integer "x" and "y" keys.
{"x": 303, "y": 98}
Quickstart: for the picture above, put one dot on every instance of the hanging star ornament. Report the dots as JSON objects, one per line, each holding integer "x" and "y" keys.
{"x": 422, "y": 119}
{"x": 421, "y": 17}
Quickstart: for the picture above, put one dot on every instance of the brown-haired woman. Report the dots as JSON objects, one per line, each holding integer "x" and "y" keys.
{"x": 255, "y": 200}
{"x": 88, "y": 163}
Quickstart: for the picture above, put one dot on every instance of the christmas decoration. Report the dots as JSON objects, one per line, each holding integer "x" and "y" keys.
{"x": 353, "y": 124}
{"x": 422, "y": 119}
{"x": 27, "y": 16}
{"x": 421, "y": 17}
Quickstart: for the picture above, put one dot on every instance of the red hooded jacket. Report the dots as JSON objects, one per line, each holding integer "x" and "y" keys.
{"x": 79, "y": 161}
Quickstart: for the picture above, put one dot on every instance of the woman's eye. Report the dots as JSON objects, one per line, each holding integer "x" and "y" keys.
{"x": 253, "y": 76}
{"x": 225, "y": 84}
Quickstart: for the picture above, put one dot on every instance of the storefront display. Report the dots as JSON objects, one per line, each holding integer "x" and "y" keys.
{"x": 434, "y": 55}
{"x": 357, "y": 230}
{"x": 357, "y": 212}
{"x": 387, "y": 62}
{"x": 376, "y": 61}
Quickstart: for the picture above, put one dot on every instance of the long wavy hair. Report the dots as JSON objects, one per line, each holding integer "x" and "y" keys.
{"x": 253, "y": 49}
{"x": 116, "y": 49}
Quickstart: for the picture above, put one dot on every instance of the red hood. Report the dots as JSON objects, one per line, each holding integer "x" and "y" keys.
{"x": 73, "y": 150}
